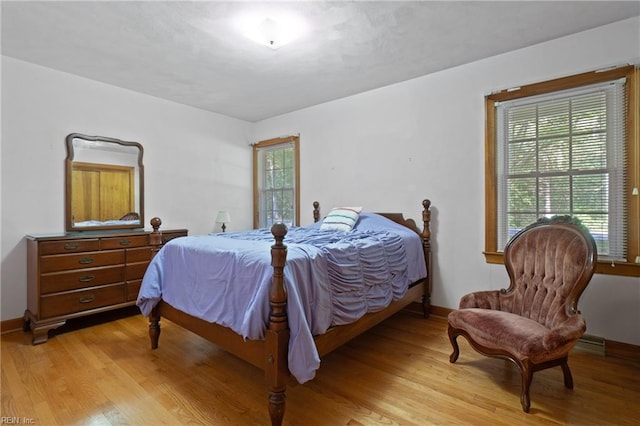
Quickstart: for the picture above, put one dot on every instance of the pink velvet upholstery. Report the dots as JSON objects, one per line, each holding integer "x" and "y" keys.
{"x": 535, "y": 322}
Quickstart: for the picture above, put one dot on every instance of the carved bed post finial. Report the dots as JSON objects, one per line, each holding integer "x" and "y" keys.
{"x": 155, "y": 238}
{"x": 316, "y": 211}
{"x": 426, "y": 242}
{"x": 426, "y": 219}
{"x": 155, "y": 223}
{"x": 277, "y": 336}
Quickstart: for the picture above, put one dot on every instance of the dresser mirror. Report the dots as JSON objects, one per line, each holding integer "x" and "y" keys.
{"x": 104, "y": 184}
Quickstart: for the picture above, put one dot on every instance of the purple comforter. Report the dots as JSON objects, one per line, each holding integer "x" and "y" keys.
{"x": 332, "y": 278}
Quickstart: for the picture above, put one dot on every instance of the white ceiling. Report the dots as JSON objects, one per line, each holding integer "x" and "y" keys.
{"x": 189, "y": 52}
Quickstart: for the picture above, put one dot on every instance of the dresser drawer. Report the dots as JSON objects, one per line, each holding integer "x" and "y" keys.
{"x": 124, "y": 242}
{"x": 135, "y": 271}
{"x": 81, "y": 300}
{"x": 133, "y": 288}
{"x": 139, "y": 254}
{"x": 80, "y": 278}
{"x": 68, "y": 246}
{"x": 64, "y": 262}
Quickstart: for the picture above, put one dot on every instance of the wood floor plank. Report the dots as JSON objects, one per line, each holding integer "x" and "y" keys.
{"x": 398, "y": 373}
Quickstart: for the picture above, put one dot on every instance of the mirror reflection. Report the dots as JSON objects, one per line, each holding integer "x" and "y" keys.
{"x": 104, "y": 183}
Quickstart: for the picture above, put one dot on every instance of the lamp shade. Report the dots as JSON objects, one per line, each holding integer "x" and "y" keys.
{"x": 223, "y": 217}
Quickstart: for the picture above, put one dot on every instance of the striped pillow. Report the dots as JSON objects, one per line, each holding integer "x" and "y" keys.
{"x": 341, "y": 219}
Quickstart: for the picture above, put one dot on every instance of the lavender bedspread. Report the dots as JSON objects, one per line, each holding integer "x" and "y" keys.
{"x": 331, "y": 278}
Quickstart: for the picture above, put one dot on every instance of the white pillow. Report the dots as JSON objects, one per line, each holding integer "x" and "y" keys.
{"x": 341, "y": 219}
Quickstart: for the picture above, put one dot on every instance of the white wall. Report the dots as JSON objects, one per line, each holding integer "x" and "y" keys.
{"x": 386, "y": 149}
{"x": 196, "y": 162}
{"x": 389, "y": 148}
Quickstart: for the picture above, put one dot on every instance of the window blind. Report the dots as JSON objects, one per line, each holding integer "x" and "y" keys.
{"x": 564, "y": 154}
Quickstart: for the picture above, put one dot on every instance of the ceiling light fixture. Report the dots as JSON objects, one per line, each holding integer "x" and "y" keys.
{"x": 273, "y": 31}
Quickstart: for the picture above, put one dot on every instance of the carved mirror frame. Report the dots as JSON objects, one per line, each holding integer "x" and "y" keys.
{"x": 106, "y": 150}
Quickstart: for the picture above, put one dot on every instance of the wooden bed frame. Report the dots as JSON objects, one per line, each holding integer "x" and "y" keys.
{"x": 270, "y": 354}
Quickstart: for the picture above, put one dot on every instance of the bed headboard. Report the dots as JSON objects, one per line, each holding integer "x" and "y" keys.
{"x": 425, "y": 233}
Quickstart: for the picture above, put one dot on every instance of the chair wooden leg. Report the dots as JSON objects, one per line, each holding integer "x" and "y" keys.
{"x": 526, "y": 372}
{"x": 454, "y": 343}
{"x": 568, "y": 379}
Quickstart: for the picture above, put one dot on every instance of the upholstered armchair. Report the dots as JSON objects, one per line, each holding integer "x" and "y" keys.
{"x": 535, "y": 322}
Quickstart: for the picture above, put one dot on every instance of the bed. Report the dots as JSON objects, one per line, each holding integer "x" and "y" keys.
{"x": 297, "y": 296}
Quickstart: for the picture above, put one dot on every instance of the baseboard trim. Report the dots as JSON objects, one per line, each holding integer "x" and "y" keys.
{"x": 593, "y": 344}
{"x": 439, "y": 311}
{"x": 9, "y": 326}
{"x": 622, "y": 350}
{"x": 416, "y": 307}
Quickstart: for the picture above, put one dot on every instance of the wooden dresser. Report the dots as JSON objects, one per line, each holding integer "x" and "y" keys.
{"x": 76, "y": 274}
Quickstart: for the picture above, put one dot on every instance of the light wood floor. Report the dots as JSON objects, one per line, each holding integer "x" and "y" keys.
{"x": 397, "y": 373}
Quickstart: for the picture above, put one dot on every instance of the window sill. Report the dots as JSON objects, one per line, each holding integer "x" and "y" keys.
{"x": 604, "y": 267}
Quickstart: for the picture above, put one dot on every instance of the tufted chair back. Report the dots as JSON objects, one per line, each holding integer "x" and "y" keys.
{"x": 549, "y": 265}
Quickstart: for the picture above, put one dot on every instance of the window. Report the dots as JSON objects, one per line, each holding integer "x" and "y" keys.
{"x": 567, "y": 147}
{"x": 276, "y": 182}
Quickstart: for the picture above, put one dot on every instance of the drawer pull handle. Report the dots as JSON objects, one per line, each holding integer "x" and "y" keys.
{"x": 125, "y": 242}
{"x": 71, "y": 246}
{"x": 87, "y": 278}
{"x": 88, "y": 299}
{"x": 85, "y": 260}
